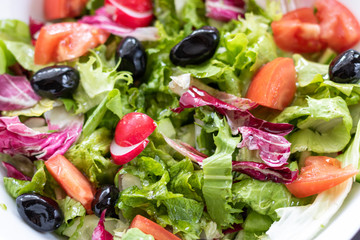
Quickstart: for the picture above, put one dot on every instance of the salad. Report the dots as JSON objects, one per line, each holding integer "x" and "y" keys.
{"x": 180, "y": 119}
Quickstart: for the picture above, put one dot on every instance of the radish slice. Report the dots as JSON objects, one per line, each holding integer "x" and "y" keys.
{"x": 122, "y": 155}
{"x": 133, "y": 128}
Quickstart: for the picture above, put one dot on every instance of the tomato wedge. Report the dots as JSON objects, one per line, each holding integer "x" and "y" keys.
{"x": 133, "y": 128}
{"x": 75, "y": 184}
{"x": 339, "y": 27}
{"x": 274, "y": 86}
{"x": 320, "y": 173}
{"x": 66, "y": 41}
{"x": 149, "y": 227}
{"x": 298, "y": 31}
{"x": 56, "y": 9}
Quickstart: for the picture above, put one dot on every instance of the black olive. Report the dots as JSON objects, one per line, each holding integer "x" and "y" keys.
{"x": 41, "y": 213}
{"x": 345, "y": 68}
{"x": 196, "y": 48}
{"x": 55, "y": 81}
{"x": 133, "y": 57}
{"x": 105, "y": 198}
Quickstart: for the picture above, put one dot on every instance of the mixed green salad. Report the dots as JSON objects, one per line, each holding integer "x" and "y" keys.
{"x": 180, "y": 119}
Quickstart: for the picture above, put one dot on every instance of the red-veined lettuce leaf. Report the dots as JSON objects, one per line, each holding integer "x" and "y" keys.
{"x": 99, "y": 232}
{"x": 16, "y": 93}
{"x": 236, "y": 117}
{"x": 274, "y": 149}
{"x": 14, "y": 173}
{"x": 225, "y": 10}
{"x": 17, "y": 138}
{"x": 263, "y": 172}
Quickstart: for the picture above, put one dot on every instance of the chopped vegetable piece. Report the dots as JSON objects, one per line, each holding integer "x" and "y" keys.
{"x": 298, "y": 31}
{"x": 319, "y": 174}
{"x": 274, "y": 86}
{"x": 339, "y": 27}
{"x": 149, "y": 227}
{"x": 65, "y": 41}
{"x": 55, "y": 9}
{"x": 75, "y": 184}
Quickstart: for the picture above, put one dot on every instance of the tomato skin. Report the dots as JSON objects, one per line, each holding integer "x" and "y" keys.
{"x": 274, "y": 85}
{"x": 133, "y": 128}
{"x": 75, "y": 184}
{"x": 56, "y": 9}
{"x": 131, "y": 13}
{"x": 65, "y": 41}
{"x": 320, "y": 173}
{"x": 298, "y": 31}
{"x": 339, "y": 27}
{"x": 149, "y": 227}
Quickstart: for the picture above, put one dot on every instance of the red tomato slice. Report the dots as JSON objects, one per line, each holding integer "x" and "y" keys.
{"x": 56, "y": 9}
{"x": 131, "y": 13}
{"x": 149, "y": 227}
{"x": 319, "y": 174}
{"x": 298, "y": 31}
{"x": 274, "y": 86}
{"x": 133, "y": 128}
{"x": 66, "y": 41}
{"x": 339, "y": 27}
{"x": 75, "y": 184}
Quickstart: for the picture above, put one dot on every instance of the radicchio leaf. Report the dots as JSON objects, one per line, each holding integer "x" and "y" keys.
{"x": 263, "y": 172}
{"x": 102, "y": 19}
{"x": 35, "y": 27}
{"x": 225, "y": 10}
{"x": 186, "y": 150}
{"x": 181, "y": 83}
{"x": 100, "y": 232}
{"x": 14, "y": 173}
{"x": 274, "y": 149}
{"x": 16, "y": 93}
{"x": 236, "y": 117}
{"x": 17, "y": 138}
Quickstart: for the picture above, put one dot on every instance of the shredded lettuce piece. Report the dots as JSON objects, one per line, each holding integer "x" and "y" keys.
{"x": 218, "y": 177}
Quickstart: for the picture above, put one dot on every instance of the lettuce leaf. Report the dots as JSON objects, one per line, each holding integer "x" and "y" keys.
{"x": 323, "y": 126}
{"x": 314, "y": 81}
{"x": 88, "y": 157}
{"x": 263, "y": 197}
{"x": 16, "y": 187}
{"x": 71, "y": 208}
{"x": 97, "y": 80}
{"x": 135, "y": 233}
{"x": 218, "y": 178}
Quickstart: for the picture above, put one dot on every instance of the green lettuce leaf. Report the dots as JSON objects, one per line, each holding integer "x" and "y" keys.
{"x": 88, "y": 157}
{"x": 71, "y": 208}
{"x": 97, "y": 80}
{"x": 314, "y": 81}
{"x": 14, "y": 30}
{"x": 16, "y": 187}
{"x": 218, "y": 178}
{"x": 323, "y": 126}
{"x": 264, "y": 197}
{"x": 135, "y": 233}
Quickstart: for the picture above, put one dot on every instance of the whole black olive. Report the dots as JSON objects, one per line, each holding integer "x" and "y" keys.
{"x": 41, "y": 213}
{"x": 345, "y": 68}
{"x": 196, "y": 48}
{"x": 105, "y": 198}
{"x": 133, "y": 57}
{"x": 55, "y": 81}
